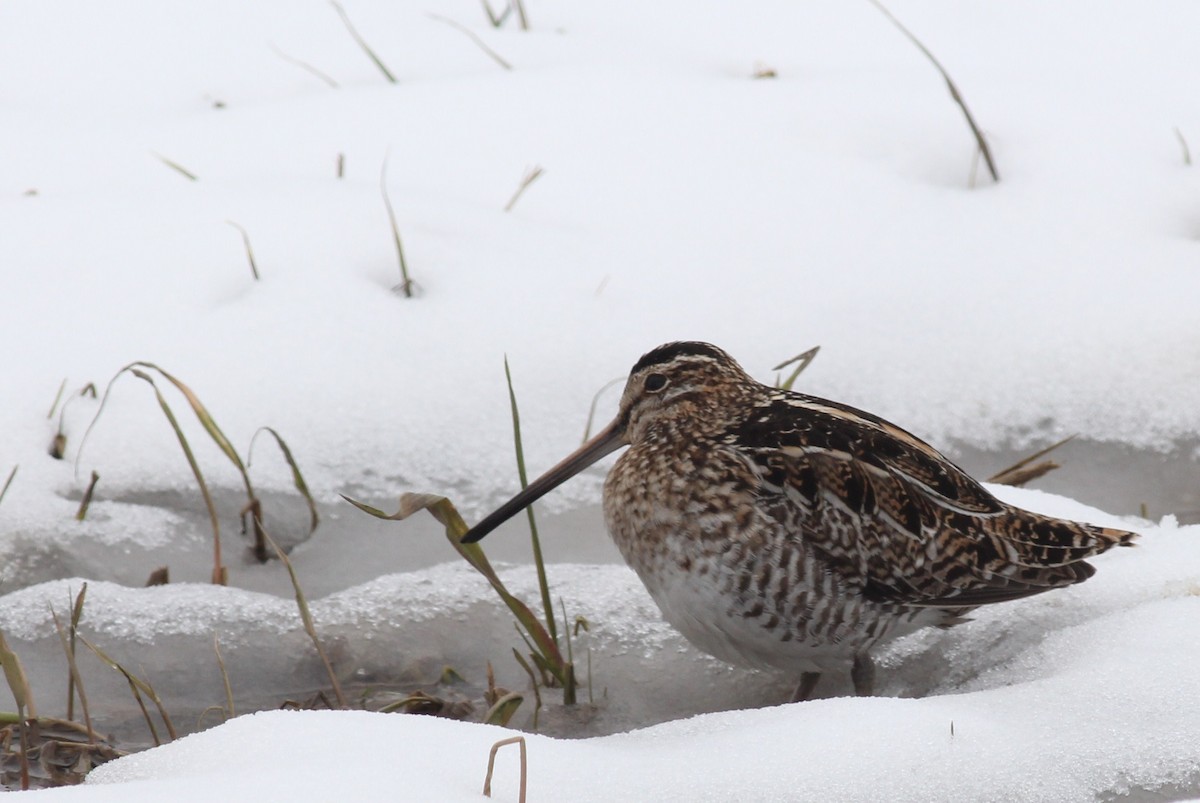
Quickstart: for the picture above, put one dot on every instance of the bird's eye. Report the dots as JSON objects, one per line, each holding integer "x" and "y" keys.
{"x": 655, "y": 383}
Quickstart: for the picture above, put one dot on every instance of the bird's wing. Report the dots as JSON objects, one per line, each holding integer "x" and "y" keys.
{"x": 896, "y": 518}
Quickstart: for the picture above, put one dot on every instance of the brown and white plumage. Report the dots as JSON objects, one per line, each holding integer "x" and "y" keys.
{"x": 782, "y": 530}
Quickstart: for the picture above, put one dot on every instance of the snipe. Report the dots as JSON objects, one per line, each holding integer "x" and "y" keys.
{"x": 775, "y": 529}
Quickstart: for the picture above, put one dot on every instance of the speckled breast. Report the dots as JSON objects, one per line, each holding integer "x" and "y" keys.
{"x": 734, "y": 581}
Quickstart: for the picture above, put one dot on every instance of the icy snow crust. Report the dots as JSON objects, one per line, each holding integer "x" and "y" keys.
{"x": 681, "y": 200}
{"x": 1083, "y": 694}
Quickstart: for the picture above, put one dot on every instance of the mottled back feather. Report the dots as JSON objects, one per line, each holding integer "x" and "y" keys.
{"x": 896, "y": 518}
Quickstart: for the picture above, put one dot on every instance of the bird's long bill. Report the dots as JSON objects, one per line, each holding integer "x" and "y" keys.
{"x": 607, "y": 441}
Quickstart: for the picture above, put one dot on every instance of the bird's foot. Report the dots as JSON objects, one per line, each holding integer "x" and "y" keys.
{"x": 808, "y": 682}
{"x": 862, "y": 674}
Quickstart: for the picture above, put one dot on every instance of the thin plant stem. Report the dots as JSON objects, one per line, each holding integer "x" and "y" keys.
{"x": 539, "y": 563}
{"x": 304, "y": 65}
{"x": 531, "y": 175}
{"x": 76, "y": 680}
{"x": 487, "y": 781}
{"x": 406, "y": 284}
{"x": 229, "y": 711}
{"x": 522, "y": 18}
{"x": 363, "y": 44}
{"x": 183, "y": 171}
{"x": 1183, "y": 143}
{"x": 8, "y": 481}
{"x": 802, "y": 361}
{"x": 496, "y": 19}
{"x": 474, "y": 38}
{"x": 86, "y": 502}
{"x": 954, "y": 93}
{"x": 306, "y": 618}
{"x": 63, "y": 386}
{"x": 138, "y": 687}
{"x": 249, "y": 250}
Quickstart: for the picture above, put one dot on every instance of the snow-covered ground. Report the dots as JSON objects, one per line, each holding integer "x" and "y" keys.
{"x": 835, "y": 203}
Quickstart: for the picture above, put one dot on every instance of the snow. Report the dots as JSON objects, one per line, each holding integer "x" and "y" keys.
{"x": 1077, "y": 695}
{"x": 681, "y": 199}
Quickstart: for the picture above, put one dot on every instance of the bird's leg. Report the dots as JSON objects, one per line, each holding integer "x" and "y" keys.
{"x": 863, "y": 675}
{"x": 808, "y": 682}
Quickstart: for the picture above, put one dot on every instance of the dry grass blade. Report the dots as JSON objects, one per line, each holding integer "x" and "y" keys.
{"x": 86, "y": 501}
{"x": 304, "y": 65}
{"x": 139, "y": 687}
{"x": 297, "y": 477}
{"x": 458, "y": 26}
{"x": 72, "y": 633}
{"x": 533, "y": 682}
{"x": 63, "y": 386}
{"x": 587, "y": 428}
{"x": 522, "y": 18}
{"x": 76, "y": 680}
{"x": 406, "y": 284}
{"x": 8, "y": 482}
{"x": 539, "y": 563}
{"x": 1183, "y": 143}
{"x": 183, "y": 171}
{"x": 363, "y": 44}
{"x": 214, "y": 432}
{"x": 503, "y": 709}
{"x": 58, "y": 447}
{"x": 1022, "y": 472}
{"x": 802, "y": 361}
{"x": 206, "y": 420}
{"x": 229, "y": 710}
{"x": 980, "y": 140}
{"x": 18, "y": 684}
{"x": 220, "y": 573}
{"x": 306, "y": 618}
{"x": 496, "y": 19}
{"x": 202, "y": 415}
{"x": 442, "y": 510}
{"x": 531, "y": 175}
{"x": 487, "y": 780}
{"x": 249, "y": 250}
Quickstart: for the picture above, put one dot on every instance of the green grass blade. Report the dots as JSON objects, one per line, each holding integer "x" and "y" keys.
{"x": 406, "y": 283}
{"x": 802, "y": 361}
{"x": 543, "y": 583}
{"x": 442, "y": 510}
